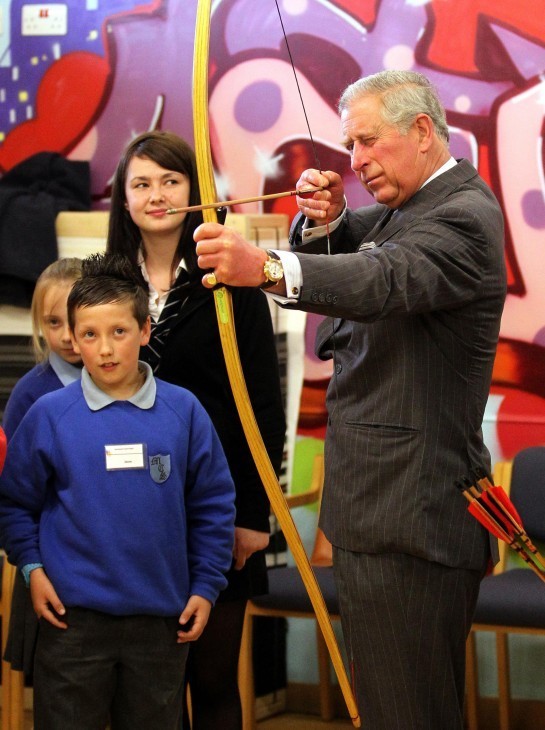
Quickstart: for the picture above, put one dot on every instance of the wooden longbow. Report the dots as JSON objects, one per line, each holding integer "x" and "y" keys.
{"x": 224, "y": 311}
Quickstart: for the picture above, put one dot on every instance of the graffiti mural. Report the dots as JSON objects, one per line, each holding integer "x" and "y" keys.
{"x": 118, "y": 67}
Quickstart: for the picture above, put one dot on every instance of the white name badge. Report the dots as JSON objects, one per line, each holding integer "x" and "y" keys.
{"x": 125, "y": 456}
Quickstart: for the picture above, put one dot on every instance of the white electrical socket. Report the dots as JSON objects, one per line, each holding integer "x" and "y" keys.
{"x": 44, "y": 19}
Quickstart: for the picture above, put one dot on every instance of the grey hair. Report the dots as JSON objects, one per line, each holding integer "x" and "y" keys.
{"x": 404, "y": 95}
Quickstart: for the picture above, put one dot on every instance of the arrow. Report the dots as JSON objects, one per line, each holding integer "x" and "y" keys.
{"x": 302, "y": 192}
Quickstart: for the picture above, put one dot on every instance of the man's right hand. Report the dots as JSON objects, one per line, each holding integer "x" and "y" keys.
{"x": 325, "y": 205}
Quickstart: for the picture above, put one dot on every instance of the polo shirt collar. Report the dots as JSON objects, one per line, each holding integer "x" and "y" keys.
{"x": 65, "y": 371}
{"x": 144, "y": 398}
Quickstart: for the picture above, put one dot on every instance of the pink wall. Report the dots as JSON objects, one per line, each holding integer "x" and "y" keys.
{"x": 85, "y": 88}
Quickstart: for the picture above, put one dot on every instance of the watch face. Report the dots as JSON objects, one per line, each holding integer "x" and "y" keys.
{"x": 274, "y": 270}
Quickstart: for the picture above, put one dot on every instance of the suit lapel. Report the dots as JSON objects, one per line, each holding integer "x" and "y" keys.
{"x": 426, "y": 199}
{"x": 376, "y": 234}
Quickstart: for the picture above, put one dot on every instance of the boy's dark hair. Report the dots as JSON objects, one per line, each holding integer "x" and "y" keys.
{"x": 108, "y": 278}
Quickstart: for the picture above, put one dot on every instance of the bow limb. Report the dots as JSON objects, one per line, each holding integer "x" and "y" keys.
{"x": 224, "y": 311}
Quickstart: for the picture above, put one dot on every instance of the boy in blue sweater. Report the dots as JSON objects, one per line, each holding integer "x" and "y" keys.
{"x": 117, "y": 505}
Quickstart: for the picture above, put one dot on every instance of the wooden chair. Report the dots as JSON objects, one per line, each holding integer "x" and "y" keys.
{"x": 511, "y": 601}
{"x": 12, "y": 682}
{"x": 287, "y": 598}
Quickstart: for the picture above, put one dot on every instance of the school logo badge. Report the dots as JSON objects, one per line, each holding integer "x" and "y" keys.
{"x": 159, "y": 467}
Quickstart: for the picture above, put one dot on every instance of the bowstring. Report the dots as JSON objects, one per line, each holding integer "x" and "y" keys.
{"x": 314, "y": 149}
{"x": 313, "y": 144}
{"x": 318, "y": 165}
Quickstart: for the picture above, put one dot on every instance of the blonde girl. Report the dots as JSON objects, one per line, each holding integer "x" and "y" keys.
{"x": 57, "y": 365}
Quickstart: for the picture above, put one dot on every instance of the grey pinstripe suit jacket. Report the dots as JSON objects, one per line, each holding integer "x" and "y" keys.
{"x": 414, "y": 332}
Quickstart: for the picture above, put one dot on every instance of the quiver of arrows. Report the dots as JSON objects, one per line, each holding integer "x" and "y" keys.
{"x": 491, "y": 506}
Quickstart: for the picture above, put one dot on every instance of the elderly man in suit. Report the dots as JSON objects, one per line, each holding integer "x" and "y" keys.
{"x": 413, "y": 290}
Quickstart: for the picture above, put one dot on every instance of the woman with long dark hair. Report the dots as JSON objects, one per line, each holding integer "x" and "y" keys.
{"x": 157, "y": 172}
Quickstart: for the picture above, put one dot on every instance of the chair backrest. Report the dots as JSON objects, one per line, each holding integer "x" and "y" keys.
{"x": 322, "y": 551}
{"x": 528, "y": 489}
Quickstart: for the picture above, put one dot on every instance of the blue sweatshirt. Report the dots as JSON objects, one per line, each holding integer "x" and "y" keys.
{"x": 112, "y": 536}
{"x": 45, "y": 377}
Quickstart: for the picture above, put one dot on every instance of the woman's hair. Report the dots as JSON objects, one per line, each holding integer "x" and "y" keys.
{"x": 109, "y": 278}
{"x": 172, "y": 153}
{"x": 404, "y": 95}
{"x": 62, "y": 271}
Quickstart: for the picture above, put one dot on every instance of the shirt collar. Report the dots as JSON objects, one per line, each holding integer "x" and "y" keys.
{"x": 156, "y": 302}
{"x": 144, "y": 398}
{"x": 451, "y": 162}
{"x": 65, "y": 371}
{"x": 142, "y": 264}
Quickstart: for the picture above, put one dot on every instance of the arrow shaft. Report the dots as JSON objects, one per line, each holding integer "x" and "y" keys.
{"x": 242, "y": 201}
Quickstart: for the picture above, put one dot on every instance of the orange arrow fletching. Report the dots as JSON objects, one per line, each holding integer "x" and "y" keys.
{"x": 500, "y": 516}
{"x": 482, "y": 516}
{"x": 502, "y": 497}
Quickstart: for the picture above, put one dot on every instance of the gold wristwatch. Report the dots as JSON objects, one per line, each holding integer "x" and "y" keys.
{"x": 273, "y": 270}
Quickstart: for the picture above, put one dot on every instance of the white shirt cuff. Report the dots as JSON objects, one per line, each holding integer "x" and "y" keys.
{"x": 293, "y": 278}
{"x": 310, "y": 233}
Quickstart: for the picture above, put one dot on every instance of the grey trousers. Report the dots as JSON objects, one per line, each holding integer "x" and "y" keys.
{"x": 405, "y": 622}
{"x": 125, "y": 670}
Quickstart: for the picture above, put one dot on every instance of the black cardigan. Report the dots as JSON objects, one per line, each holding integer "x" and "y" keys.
{"x": 192, "y": 357}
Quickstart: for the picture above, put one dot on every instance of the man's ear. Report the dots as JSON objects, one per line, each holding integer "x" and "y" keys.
{"x": 425, "y": 129}
{"x": 146, "y": 332}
